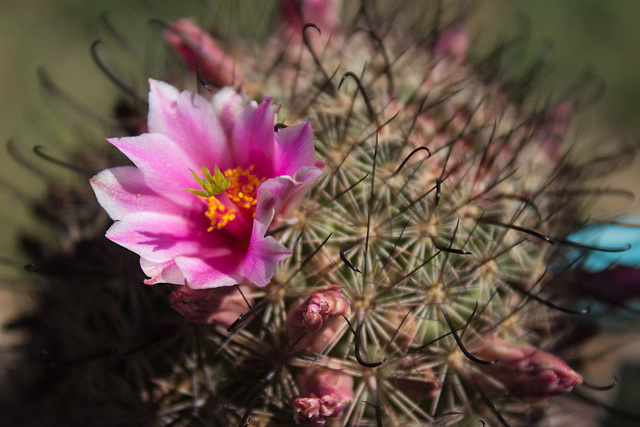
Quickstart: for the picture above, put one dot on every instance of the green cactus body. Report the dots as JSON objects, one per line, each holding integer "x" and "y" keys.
{"x": 429, "y": 190}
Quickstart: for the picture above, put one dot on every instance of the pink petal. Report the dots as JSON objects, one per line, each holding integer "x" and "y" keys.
{"x": 214, "y": 272}
{"x": 305, "y": 177}
{"x": 264, "y": 253}
{"x": 271, "y": 195}
{"x": 122, "y": 191}
{"x": 253, "y": 138}
{"x": 262, "y": 258}
{"x": 167, "y": 272}
{"x": 228, "y": 104}
{"x": 294, "y": 149}
{"x": 162, "y": 237}
{"x": 281, "y": 193}
{"x": 191, "y": 122}
{"x": 165, "y": 167}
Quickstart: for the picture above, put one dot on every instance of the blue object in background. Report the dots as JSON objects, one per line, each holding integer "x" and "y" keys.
{"x": 625, "y": 232}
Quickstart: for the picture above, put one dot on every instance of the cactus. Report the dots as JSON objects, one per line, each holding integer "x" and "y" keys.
{"x": 414, "y": 260}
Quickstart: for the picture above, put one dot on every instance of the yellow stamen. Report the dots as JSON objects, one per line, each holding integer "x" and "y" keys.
{"x": 241, "y": 191}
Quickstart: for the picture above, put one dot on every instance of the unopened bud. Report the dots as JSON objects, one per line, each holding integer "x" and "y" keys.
{"x": 452, "y": 43}
{"x": 199, "y": 50}
{"x": 324, "y": 394}
{"x": 218, "y": 306}
{"x": 525, "y": 371}
{"x": 311, "y": 324}
{"x": 325, "y": 14}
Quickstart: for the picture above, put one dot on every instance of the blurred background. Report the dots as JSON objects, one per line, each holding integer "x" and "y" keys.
{"x": 575, "y": 35}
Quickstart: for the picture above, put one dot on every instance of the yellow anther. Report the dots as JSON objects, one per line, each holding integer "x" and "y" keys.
{"x": 241, "y": 192}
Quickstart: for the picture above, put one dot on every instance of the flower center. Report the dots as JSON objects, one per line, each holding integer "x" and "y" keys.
{"x": 241, "y": 192}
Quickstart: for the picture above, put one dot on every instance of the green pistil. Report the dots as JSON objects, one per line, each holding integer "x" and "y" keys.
{"x": 212, "y": 185}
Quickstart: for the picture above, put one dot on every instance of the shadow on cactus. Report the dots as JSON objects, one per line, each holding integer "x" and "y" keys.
{"x": 354, "y": 223}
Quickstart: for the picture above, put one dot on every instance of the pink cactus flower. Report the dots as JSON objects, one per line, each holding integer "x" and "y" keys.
{"x": 220, "y": 306}
{"x": 526, "y": 371}
{"x": 325, "y": 393}
{"x": 312, "y": 323}
{"x": 209, "y": 179}
{"x": 199, "y": 51}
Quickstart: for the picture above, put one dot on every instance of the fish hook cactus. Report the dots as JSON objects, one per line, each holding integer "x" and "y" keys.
{"x": 353, "y": 223}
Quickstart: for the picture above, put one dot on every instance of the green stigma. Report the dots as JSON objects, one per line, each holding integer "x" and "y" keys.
{"x": 212, "y": 185}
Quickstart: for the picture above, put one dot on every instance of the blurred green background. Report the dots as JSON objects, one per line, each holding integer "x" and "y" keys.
{"x": 597, "y": 34}
{"x": 601, "y": 35}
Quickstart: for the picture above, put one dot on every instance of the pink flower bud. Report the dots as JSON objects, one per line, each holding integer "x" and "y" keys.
{"x": 318, "y": 307}
{"x": 325, "y": 14}
{"x": 197, "y": 48}
{"x": 324, "y": 394}
{"x": 218, "y": 306}
{"x": 452, "y": 43}
{"x": 311, "y": 324}
{"x": 525, "y": 371}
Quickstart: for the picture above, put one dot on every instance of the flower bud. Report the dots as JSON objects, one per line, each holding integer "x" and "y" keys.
{"x": 197, "y": 48}
{"x": 525, "y": 371}
{"x": 324, "y": 394}
{"x": 452, "y": 43}
{"x": 311, "y": 324}
{"x": 218, "y": 306}
{"x": 322, "y": 13}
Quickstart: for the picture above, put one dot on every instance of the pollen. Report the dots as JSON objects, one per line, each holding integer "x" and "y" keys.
{"x": 241, "y": 193}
